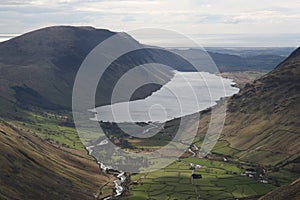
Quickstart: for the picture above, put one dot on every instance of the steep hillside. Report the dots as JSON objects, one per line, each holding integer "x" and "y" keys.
{"x": 263, "y": 116}
{"x": 39, "y": 68}
{"x": 263, "y": 119}
{"x": 33, "y": 169}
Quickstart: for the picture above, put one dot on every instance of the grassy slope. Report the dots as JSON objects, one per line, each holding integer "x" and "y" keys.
{"x": 44, "y": 170}
{"x": 219, "y": 181}
{"x": 262, "y": 119}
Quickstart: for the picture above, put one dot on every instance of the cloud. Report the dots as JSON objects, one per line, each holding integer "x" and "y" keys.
{"x": 188, "y": 17}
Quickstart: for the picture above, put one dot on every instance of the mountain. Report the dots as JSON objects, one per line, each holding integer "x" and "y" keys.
{"x": 34, "y": 169}
{"x": 254, "y": 58}
{"x": 228, "y": 62}
{"x": 262, "y": 120}
{"x": 39, "y": 67}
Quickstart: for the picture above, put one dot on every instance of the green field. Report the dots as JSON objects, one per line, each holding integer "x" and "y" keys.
{"x": 219, "y": 181}
{"x": 51, "y": 127}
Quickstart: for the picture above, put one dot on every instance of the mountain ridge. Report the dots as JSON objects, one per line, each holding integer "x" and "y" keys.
{"x": 41, "y": 66}
{"x": 44, "y": 63}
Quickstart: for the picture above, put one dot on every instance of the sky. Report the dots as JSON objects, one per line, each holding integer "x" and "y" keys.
{"x": 208, "y": 22}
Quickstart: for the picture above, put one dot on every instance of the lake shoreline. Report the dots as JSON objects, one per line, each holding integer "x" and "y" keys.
{"x": 186, "y": 93}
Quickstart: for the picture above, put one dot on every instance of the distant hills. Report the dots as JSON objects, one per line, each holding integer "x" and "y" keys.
{"x": 260, "y": 63}
{"x": 240, "y": 59}
{"x": 255, "y": 58}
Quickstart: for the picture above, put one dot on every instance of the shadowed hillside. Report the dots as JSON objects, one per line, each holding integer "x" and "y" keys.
{"x": 33, "y": 169}
{"x": 39, "y": 68}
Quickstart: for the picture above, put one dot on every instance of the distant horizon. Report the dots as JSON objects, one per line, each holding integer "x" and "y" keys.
{"x": 210, "y": 42}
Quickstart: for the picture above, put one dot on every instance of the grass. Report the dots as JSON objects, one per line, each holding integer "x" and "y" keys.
{"x": 222, "y": 147}
{"x": 50, "y": 127}
{"x": 173, "y": 182}
{"x": 221, "y": 180}
{"x": 263, "y": 157}
{"x": 216, "y": 166}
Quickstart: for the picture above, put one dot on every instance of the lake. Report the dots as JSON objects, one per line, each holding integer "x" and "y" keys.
{"x": 186, "y": 93}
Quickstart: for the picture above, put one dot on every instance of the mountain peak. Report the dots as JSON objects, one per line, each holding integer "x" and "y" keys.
{"x": 65, "y": 33}
{"x": 51, "y": 43}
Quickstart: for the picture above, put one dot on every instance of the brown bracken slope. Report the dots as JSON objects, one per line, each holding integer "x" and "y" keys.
{"x": 263, "y": 118}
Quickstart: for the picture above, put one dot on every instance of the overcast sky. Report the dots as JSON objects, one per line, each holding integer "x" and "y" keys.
{"x": 209, "y": 22}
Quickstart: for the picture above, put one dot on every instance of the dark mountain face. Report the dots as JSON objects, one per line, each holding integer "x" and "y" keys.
{"x": 39, "y": 68}
{"x": 41, "y": 65}
{"x": 64, "y": 47}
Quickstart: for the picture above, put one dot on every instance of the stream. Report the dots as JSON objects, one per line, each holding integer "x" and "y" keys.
{"x": 120, "y": 175}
